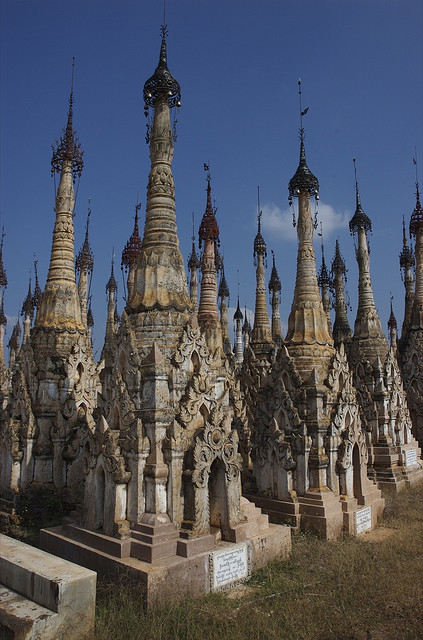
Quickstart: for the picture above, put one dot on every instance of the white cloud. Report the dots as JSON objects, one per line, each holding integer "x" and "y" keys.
{"x": 279, "y": 222}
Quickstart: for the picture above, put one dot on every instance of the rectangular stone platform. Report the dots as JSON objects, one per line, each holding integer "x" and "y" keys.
{"x": 42, "y": 596}
{"x": 189, "y": 567}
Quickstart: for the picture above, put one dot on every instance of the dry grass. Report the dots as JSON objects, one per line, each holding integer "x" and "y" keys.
{"x": 367, "y": 588}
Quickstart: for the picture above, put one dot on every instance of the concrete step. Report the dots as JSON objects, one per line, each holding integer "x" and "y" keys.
{"x": 153, "y": 552}
{"x": 97, "y": 540}
{"x": 21, "y": 618}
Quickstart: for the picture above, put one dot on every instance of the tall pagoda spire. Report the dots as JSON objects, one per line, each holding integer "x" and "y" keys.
{"x": 209, "y": 239}
{"x": 37, "y": 289}
{"x": 27, "y": 312}
{"x": 368, "y": 334}
{"x": 160, "y": 280}
{"x": 392, "y": 326}
{"x": 59, "y": 308}
{"x": 223, "y": 294}
{"x": 111, "y": 289}
{"x": 14, "y": 344}
{"x": 132, "y": 252}
{"x": 84, "y": 266}
{"x": 193, "y": 265}
{"x": 307, "y": 322}
{"x": 341, "y": 327}
{"x": 261, "y": 336}
{"x": 275, "y": 289}
{"x": 416, "y": 231}
{"x": 407, "y": 263}
{"x": 324, "y": 282}
{"x": 238, "y": 334}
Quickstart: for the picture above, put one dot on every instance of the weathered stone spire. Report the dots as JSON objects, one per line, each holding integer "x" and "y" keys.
{"x": 261, "y": 336}
{"x": 368, "y": 335}
{"x": 193, "y": 265}
{"x": 324, "y": 282}
{"x": 307, "y": 322}
{"x": 238, "y": 334}
{"x": 416, "y": 231}
{"x": 27, "y": 312}
{"x": 111, "y": 289}
{"x": 275, "y": 289}
{"x": 59, "y": 308}
{"x": 160, "y": 279}
{"x": 90, "y": 320}
{"x": 208, "y": 317}
{"x": 392, "y": 326}
{"x": 37, "y": 289}
{"x": 223, "y": 293}
{"x": 14, "y": 344}
{"x": 407, "y": 263}
{"x": 84, "y": 266}
{"x": 246, "y": 330}
{"x": 341, "y": 327}
{"x": 131, "y": 253}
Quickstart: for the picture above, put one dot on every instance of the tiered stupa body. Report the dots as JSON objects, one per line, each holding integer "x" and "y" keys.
{"x": 308, "y": 339}
{"x": 162, "y": 467}
{"x": 308, "y": 449}
{"x": 55, "y": 382}
{"x": 411, "y": 345}
{"x": 378, "y": 380}
{"x": 159, "y": 306}
{"x": 407, "y": 263}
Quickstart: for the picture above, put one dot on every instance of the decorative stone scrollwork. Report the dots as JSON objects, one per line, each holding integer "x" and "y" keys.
{"x": 212, "y": 443}
{"x": 192, "y": 340}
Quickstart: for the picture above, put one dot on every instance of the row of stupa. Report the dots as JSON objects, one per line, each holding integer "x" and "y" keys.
{"x": 176, "y": 449}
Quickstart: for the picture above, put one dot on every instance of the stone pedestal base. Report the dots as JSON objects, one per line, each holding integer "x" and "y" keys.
{"x": 321, "y": 513}
{"x": 359, "y": 518}
{"x": 278, "y": 511}
{"x": 168, "y": 566}
{"x": 396, "y": 467}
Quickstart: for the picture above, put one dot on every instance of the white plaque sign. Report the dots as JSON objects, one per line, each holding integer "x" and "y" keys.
{"x": 363, "y": 519}
{"x": 410, "y": 458}
{"x": 229, "y": 565}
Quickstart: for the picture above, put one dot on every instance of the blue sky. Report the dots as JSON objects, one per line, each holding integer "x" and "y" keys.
{"x": 238, "y": 63}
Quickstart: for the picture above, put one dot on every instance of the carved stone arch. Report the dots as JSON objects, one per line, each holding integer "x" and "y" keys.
{"x": 195, "y": 362}
{"x": 215, "y": 477}
{"x": 82, "y": 410}
{"x": 100, "y": 487}
{"x": 218, "y": 504}
{"x": 357, "y": 474}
